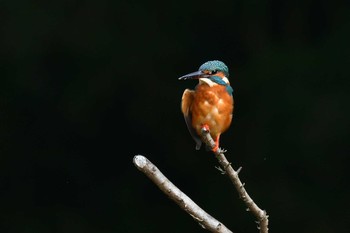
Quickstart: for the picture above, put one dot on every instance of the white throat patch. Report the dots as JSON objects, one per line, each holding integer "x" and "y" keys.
{"x": 211, "y": 83}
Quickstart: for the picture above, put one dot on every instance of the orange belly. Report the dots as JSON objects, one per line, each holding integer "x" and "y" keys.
{"x": 212, "y": 106}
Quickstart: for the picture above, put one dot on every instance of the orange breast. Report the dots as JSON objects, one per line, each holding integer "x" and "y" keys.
{"x": 212, "y": 106}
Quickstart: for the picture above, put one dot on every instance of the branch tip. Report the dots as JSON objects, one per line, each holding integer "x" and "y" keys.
{"x": 140, "y": 161}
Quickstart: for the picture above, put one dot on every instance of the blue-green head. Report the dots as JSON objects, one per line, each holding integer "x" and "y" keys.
{"x": 214, "y": 67}
{"x": 209, "y": 68}
{"x": 211, "y": 72}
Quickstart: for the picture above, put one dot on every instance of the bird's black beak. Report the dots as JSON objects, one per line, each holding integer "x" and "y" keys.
{"x": 194, "y": 75}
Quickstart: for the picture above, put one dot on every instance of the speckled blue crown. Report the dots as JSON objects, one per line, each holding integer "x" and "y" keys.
{"x": 215, "y": 65}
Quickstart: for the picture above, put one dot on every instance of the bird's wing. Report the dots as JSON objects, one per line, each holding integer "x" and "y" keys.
{"x": 187, "y": 100}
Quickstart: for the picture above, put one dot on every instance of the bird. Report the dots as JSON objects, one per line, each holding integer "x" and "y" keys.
{"x": 210, "y": 105}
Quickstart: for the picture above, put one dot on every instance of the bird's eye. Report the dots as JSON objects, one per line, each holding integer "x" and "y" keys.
{"x": 211, "y": 72}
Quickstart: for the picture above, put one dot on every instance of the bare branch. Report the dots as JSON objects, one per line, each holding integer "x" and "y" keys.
{"x": 203, "y": 218}
{"x": 260, "y": 214}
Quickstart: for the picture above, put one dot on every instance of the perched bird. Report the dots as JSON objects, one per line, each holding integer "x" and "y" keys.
{"x": 210, "y": 105}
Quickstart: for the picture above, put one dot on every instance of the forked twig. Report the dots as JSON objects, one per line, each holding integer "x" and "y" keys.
{"x": 203, "y": 218}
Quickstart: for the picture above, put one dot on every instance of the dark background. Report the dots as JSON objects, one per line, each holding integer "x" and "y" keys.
{"x": 86, "y": 85}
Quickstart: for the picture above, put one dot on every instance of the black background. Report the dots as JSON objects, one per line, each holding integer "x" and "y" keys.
{"x": 86, "y": 85}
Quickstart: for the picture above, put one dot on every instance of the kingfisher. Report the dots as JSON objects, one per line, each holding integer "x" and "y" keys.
{"x": 210, "y": 104}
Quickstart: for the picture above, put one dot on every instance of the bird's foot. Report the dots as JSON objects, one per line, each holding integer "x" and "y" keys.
{"x": 216, "y": 148}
